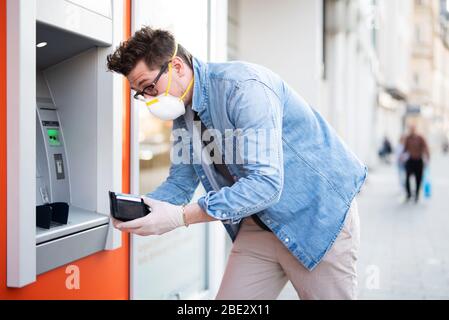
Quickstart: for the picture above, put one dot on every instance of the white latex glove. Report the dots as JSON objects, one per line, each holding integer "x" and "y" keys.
{"x": 164, "y": 217}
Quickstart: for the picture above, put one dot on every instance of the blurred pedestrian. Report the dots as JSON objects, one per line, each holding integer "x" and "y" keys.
{"x": 386, "y": 150}
{"x": 401, "y": 159}
{"x": 445, "y": 145}
{"x": 419, "y": 155}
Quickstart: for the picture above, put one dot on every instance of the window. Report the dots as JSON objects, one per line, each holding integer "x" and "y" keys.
{"x": 155, "y": 261}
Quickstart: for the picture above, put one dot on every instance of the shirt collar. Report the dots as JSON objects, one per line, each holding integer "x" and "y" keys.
{"x": 200, "y": 92}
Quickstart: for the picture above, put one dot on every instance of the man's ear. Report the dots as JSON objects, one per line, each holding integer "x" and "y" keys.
{"x": 179, "y": 66}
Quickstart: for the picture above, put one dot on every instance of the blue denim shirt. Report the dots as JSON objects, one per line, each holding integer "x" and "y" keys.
{"x": 302, "y": 191}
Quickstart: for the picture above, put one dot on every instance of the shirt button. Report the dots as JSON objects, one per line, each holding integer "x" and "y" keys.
{"x": 224, "y": 215}
{"x": 203, "y": 177}
{"x": 268, "y": 220}
{"x": 287, "y": 239}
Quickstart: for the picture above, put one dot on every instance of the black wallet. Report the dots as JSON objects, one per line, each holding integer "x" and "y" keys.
{"x": 127, "y": 207}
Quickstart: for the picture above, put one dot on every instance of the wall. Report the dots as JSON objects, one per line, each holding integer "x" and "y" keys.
{"x": 289, "y": 43}
{"x": 350, "y": 75}
{"x": 102, "y": 276}
{"x": 395, "y": 47}
{"x": 395, "y": 36}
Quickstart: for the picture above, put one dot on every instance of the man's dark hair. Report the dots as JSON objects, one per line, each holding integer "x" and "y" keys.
{"x": 154, "y": 46}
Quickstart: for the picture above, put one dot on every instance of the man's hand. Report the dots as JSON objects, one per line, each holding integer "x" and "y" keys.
{"x": 164, "y": 217}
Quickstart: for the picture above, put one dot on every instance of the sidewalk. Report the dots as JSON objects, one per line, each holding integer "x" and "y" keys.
{"x": 404, "y": 251}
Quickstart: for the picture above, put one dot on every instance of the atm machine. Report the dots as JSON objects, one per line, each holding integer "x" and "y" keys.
{"x": 59, "y": 242}
{"x": 68, "y": 146}
{"x": 64, "y": 133}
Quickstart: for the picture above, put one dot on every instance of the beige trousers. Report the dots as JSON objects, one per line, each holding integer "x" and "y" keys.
{"x": 259, "y": 266}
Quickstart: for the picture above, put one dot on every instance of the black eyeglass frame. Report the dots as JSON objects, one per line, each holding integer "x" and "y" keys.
{"x": 140, "y": 95}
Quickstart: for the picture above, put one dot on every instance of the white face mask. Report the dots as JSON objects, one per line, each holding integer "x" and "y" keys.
{"x": 166, "y": 106}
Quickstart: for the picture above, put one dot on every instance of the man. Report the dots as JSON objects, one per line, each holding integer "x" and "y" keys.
{"x": 418, "y": 154}
{"x": 386, "y": 150}
{"x": 289, "y": 207}
{"x": 445, "y": 144}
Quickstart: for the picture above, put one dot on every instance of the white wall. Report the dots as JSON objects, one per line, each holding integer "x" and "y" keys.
{"x": 396, "y": 35}
{"x": 285, "y": 36}
{"x": 351, "y": 76}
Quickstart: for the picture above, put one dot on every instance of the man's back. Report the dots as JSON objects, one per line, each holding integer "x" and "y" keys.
{"x": 416, "y": 146}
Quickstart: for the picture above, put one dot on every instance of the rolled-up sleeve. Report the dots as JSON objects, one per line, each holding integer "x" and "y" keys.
{"x": 256, "y": 113}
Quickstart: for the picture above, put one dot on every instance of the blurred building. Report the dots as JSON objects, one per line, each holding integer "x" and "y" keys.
{"x": 394, "y": 34}
{"x": 351, "y": 73}
{"x": 441, "y": 91}
{"x": 323, "y": 49}
{"x": 429, "y": 97}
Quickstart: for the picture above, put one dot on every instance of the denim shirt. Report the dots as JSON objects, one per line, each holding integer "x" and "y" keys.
{"x": 302, "y": 190}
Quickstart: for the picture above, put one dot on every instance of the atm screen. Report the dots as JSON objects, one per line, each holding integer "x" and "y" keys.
{"x": 53, "y": 137}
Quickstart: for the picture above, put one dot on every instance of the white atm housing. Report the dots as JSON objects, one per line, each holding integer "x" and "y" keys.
{"x": 64, "y": 131}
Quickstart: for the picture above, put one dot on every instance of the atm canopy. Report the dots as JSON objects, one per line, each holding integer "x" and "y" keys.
{"x": 61, "y": 45}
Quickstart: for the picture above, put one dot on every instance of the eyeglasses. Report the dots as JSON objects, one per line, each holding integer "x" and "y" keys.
{"x": 150, "y": 90}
